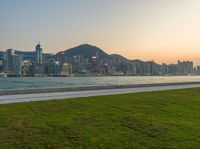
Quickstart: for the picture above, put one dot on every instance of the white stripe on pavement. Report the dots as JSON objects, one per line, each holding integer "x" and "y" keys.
{"x": 6, "y": 99}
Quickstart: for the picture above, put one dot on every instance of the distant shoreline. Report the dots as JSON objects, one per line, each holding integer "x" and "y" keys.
{"x": 85, "y": 88}
{"x": 87, "y": 76}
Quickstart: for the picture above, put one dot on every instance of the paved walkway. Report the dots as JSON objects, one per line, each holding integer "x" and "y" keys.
{"x": 6, "y": 99}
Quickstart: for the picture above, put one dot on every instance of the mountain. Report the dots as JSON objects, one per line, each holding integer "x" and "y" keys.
{"x": 137, "y": 61}
{"x": 87, "y": 51}
{"x": 118, "y": 57}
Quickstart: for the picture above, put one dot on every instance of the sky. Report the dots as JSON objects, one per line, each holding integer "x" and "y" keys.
{"x": 159, "y": 30}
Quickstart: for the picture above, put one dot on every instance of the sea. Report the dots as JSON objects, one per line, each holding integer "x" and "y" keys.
{"x": 61, "y": 82}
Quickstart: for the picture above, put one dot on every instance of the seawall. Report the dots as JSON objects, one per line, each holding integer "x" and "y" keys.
{"x": 85, "y": 88}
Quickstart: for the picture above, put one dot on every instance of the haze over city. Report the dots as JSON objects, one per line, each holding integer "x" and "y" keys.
{"x": 164, "y": 31}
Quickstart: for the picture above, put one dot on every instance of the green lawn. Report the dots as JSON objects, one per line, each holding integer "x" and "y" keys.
{"x": 166, "y": 119}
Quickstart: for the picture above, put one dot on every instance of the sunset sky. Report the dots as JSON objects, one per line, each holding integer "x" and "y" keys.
{"x": 160, "y": 30}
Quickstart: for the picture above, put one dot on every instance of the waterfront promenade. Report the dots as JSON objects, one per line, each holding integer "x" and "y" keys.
{"x": 66, "y": 93}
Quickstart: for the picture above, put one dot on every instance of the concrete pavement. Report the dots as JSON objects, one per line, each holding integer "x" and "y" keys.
{"x": 6, "y": 99}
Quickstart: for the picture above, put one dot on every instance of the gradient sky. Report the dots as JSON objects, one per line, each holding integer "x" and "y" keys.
{"x": 160, "y": 30}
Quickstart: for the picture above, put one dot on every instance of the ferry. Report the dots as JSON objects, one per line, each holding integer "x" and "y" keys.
{"x": 3, "y": 75}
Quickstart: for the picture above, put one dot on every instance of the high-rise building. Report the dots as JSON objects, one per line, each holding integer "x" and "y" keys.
{"x": 173, "y": 69}
{"x": 198, "y": 70}
{"x": 26, "y": 55}
{"x": 185, "y": 67}
{"x": 2, "y": 55}
{"x": 66, "y": 69}
{"x": 17, "y": 65}
{"x": 13, "y": 63}
{"x": 38, "y": 70}
{"x": 2, "y": 61}
{"x": 38, "y": 54}
{"x": 9, "y": 60}
{"x": 27, "y": 66}
{"x": 1, "y": 65}
{"x": 53, "y": 68}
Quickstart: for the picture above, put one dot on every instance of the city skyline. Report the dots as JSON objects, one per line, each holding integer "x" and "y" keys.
{"x": 57, "y": 52}
{"x": 84, "y": 60}
{"x": 149, "y": 29}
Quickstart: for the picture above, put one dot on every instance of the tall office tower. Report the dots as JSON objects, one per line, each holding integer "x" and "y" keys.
{"x": 2, "y": 55}
{"x": 9, "y": 60}
{"x": 38, "y": 54}
{"x": 17, "y": 65}
{"x": 1, "y": 65}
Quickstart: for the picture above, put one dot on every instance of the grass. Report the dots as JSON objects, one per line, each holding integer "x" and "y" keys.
{"x": 166, "y": 119}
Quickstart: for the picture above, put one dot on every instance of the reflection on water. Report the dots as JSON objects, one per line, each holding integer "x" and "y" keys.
{"x": 53, "y": 82}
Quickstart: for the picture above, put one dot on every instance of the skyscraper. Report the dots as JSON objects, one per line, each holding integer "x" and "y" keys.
{"x": 9, "y": 60}
{"x": 13, "y": 63}
{"x": 17, "y": 66}
{"x": 2, "y": 55}
{"x": 38, "y": 54}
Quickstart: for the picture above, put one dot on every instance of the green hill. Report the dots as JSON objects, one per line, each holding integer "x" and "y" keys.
{"x": 87, "y": 51}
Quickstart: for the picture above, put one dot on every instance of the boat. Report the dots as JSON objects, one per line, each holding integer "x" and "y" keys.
{"x": 3, "y": 75}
